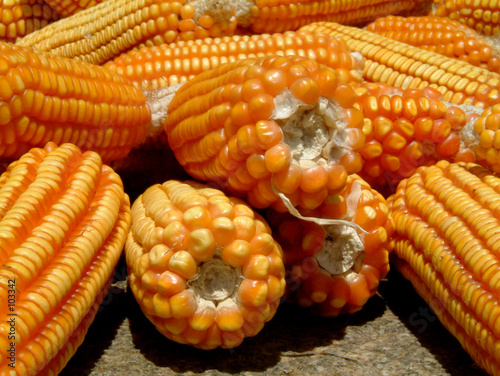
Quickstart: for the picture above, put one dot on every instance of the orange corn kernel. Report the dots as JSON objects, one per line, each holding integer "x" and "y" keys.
{"x": 446, "y": 222}
{"x": 45, "y": 98}
{"x": 289, "y": 152}
{"x": 335, "y": 268}
{"x": 399, "y": 141}
{"x": 169, "y": 64}
{"x": 127, "y": 25}
{"x": 228, "y": 262}
{"x": 408, "y": 67}
{"x": 66, "y": 218}
{"x": 443, "y": 35}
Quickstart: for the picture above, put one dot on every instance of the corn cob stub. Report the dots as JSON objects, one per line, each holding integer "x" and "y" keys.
{"x": 203, "y": 267}
{"x": 446, "y": 239}
{"x": 101, "y": 33}
{"x": 21, "y": 17}
{"x": 335, "y": 269}
{"x": 266, "y": 127}
{"x": 45, "y": 98}
{"x": 442, "y": 35}
{"x": 64, "y": 222}
{"x": 409, "y": 128}
{"x": 170, "y": 64}
{"x": 408, "y": 67}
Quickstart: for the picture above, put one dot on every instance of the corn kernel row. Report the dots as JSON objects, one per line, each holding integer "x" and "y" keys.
{"x": 441, "y": 35}
{"x": 169, "y": 64}
{"x": 64, "y": 221}
{"x": 401, "y": 65}
{"x": 446, "y": 242}
{"x": 45, "y": 98}
{"x": 101, "y": 33}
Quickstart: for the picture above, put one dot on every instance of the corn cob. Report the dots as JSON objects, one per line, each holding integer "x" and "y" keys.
{"x": 19, "y": 18}
{"x": 45, "y": 98}
{"x": 268, "y": 127}
{"x": 405, "y": 129}
{"x": 170, "y": 64}
{"x": 482, "y": 16}
{"x": 100, "y": 33}
{"x": 335, "y": 269}
{"x": 67, "y": 8}
{"x": 64, "y": 222}
{"x": 280, "y": 16}
{"x": 401, "y": 65}
{"x": 441, "y": 35}
{"x": 446, "y": 242}
{"x": 203, "y": 267}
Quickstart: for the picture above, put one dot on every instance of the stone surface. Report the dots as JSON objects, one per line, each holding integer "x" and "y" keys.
{"x": 395, "y": 334}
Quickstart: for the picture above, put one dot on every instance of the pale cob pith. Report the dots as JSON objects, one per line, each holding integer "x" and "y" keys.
{"x": 446, "y": 243}
{"x": 64, "y": 222}
{"x": 21, "y": 17}
{"x": 203, "y": 266}
{"x": 45, "y": 98}
{"x": 442, "y": 35}
{"x": 401, "y": 65}
{"x": 334, "y": 269}
{"x": 170, "y": 64}
{"x": 269, "y": 126}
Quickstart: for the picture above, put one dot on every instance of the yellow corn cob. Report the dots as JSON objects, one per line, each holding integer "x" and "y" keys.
{"x": 401, "y": 65}
{"x": 64, "y": 219}
{"x": 21, "y": 17}
{"x": 335, "y": 269}
{"x": 268, "y": 126}
{"x": 409, "y": 128}
{"x": 446, "y": 243}
{"x": 203, "y": 267}
{"x": 45, "y": 98}
{"x": 67, "y": 8}
{"x": 482, "y": 16}
{"x": 441, "y": 35}
{"x": 170, "y": 64}
{"x": 280, "y": 16}
{"x": 100, "y": 33}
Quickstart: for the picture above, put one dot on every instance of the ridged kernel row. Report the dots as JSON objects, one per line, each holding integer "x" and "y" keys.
{"x": 203, "y": 266}
{"x": 447, "y": 243}
{"x": 268, "y": 126}
{"x": 401, "y": 65}
{"x": 101, "y": 33}
{"x": 280, "y": 16}
{"x": 63, "y": 225}
{"x": 441, "y": 35}
{"x": 170, "y": 64}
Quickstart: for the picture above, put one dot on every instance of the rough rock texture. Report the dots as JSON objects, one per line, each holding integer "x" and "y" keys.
{"x": 395, "y": 334}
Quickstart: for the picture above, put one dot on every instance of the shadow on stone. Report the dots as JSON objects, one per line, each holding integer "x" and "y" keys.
{"x": 419, "y": 318}
{"x": 292, "y": 330}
